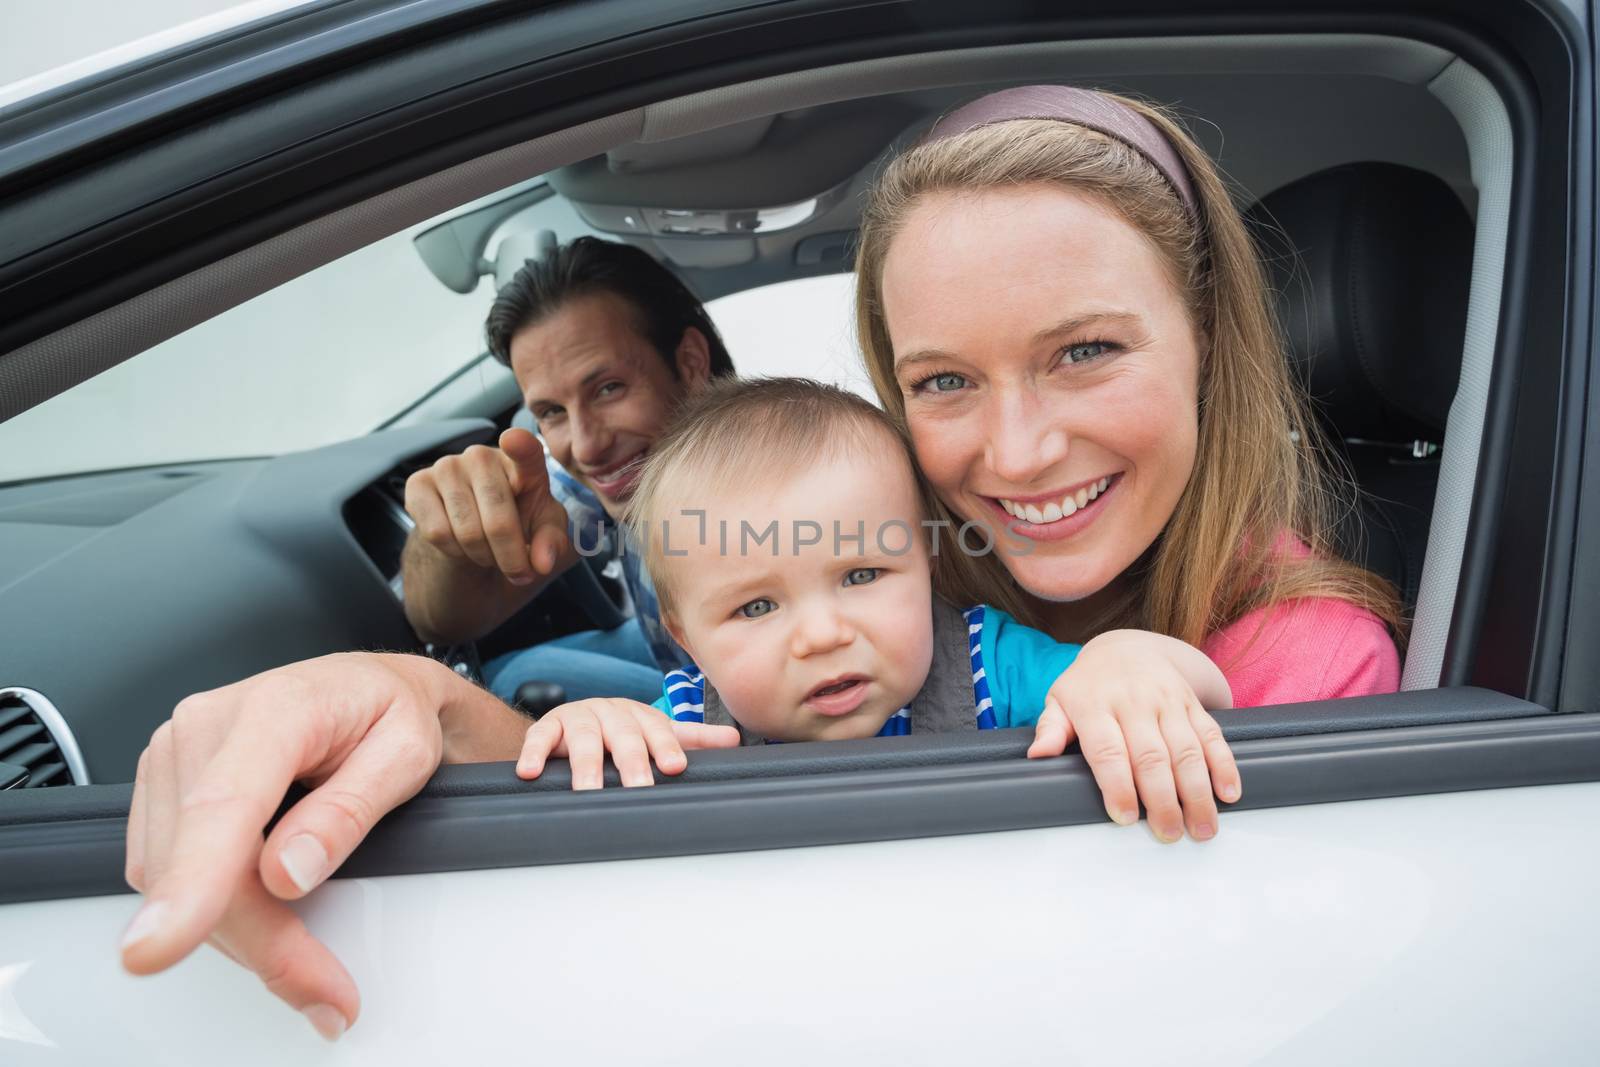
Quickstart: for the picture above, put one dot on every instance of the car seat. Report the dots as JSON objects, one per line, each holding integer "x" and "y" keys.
{"x": 1372, "y": 295}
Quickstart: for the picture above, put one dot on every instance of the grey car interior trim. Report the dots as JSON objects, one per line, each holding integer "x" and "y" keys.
{"x": 52, "y": 364}
{"x": 252, "y": 565}
{"x": 57, "y": 727}
{"x": 1483, "y": 119}
{"x": 481, "y": 816}
{"x": 1389, "y": 57}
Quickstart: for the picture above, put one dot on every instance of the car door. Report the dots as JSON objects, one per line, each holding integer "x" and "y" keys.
{"x": 1394, "y": 884}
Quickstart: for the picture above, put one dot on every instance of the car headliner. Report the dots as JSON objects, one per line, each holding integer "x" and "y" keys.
{"x": 1250, "y": 106}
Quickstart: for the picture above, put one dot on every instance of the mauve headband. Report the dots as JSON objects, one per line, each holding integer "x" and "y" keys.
{"x": 1082, "y": 107}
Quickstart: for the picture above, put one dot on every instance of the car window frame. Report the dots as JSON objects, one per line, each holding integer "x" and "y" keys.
{"x": 1498, "y": 570}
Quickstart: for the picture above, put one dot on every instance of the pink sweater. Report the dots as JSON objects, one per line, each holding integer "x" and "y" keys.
{"x": 1314, "y": 649}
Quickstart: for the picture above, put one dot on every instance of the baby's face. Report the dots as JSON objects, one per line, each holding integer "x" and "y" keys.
{"x": 807, "y": 642}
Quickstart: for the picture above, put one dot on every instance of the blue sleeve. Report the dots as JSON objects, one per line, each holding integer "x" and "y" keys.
{"x": 682, "y": 695}
{"x": 1021, "y": 665}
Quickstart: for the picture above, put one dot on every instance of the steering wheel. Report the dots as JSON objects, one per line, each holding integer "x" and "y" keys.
{"x": 592, "y": 584}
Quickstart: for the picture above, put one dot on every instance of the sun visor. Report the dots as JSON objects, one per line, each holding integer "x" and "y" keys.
{"x": 784, "y": 159}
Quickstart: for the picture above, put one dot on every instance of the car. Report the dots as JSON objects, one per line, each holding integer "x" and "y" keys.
{"x": 240, "y": 286}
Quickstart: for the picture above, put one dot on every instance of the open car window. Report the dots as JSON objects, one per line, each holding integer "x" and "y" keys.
{"x": 326, "y": 356}
{"x": 804, "y": 327}
{"x": 389, "y": 334}
{"x": 366, "y": 341}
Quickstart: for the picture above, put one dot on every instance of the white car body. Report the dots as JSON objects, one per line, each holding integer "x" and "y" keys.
{"x": 1396, "y": 931}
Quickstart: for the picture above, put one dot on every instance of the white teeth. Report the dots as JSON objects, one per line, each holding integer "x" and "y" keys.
{"x": 1053, "y": 511}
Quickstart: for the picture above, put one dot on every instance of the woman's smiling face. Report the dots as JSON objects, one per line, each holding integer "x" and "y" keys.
{"x": 1050, "y": 374}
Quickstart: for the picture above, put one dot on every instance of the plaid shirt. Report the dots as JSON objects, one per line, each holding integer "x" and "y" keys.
{"x": 592, "y": 530}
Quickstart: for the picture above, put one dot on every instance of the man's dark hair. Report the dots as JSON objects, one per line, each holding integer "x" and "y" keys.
{"x": 664, "y": 305}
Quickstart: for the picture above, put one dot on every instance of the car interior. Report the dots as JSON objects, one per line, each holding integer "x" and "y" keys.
{"x": 1374, "y": 170}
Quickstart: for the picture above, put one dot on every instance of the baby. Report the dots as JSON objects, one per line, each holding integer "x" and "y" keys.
{"x": 783, "y": 525}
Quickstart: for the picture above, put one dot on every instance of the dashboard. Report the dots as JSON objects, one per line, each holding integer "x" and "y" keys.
{"x": 123, "y": 592}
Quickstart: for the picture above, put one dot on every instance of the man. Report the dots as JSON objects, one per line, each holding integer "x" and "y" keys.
{"x": 604, "y": 343}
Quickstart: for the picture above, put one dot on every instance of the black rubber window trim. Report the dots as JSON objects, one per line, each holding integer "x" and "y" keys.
{"x": 481, "y": 816}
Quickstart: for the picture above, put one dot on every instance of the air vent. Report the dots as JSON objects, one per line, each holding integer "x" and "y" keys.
{"x": 35, "y": 738}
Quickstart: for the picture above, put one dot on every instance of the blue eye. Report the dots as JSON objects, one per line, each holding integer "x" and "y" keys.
{"x": 939, "y": 383}
{"x": 862, "y": 576}
{"x": 1085, "y": 351}
{"x": 757, "y": 608}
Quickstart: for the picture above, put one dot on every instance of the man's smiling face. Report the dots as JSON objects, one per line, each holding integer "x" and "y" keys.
{"x": 600, "y": 391}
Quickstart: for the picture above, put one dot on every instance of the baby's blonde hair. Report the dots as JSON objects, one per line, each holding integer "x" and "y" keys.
{"x": 737, "y": 432}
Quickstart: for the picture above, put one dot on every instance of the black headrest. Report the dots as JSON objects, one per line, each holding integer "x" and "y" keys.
{"x": 1372, "y": 294}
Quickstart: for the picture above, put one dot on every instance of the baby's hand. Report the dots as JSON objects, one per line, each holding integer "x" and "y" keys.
{"x": 1130, "y": 701}
{"x": 634, "y": 733}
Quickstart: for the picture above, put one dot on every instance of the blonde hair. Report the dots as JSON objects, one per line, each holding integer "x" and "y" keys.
{"x": 739, "y": 432}
{"x": 1260, "y": 471}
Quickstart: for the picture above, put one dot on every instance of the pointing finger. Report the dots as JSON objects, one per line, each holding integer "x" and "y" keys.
{"x": 526, "y": 455}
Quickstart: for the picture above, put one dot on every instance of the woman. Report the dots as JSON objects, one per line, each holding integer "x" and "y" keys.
{"x": 1058, "y": 298}
{"x": 1055, "y": 292}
